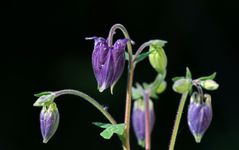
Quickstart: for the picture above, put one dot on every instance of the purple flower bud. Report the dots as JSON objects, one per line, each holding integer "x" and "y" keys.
{"x": 108, "y": 62}
{"x": 138, "y": 119}
{"x": 49, "y": 121}
{"x": 199, "y": 115}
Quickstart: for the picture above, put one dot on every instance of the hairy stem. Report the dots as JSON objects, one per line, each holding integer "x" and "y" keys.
{"x": 126, "y": 142}
{"x": 177, "y": 121}
{"x": 88, "y": 99}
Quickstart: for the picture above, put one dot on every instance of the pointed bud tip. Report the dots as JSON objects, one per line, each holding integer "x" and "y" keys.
{"x": 198, "y": 138}
{"x": 45, "y": 141}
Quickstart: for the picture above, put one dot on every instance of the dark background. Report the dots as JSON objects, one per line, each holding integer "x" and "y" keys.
{"x": 43, "y": 48}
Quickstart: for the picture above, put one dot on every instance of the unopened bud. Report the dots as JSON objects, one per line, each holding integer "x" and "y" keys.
{"x": 209, "y": 84}
{"x": 138, "y": 119}
{"x": 157, "y": 57}
{"x": 49, "y": 121}
{"x": 199, "y": 115}
{"x": 182, "y": 85}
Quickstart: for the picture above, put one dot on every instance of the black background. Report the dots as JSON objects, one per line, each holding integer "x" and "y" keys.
{"x": 43, "y": 48}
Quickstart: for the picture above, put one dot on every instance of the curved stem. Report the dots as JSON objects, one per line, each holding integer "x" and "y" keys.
{"x": 200, "y": 91}
{"x": 89, "y": 99}
{"x": 177, "y": 121}
{"x": 126, "y": 142}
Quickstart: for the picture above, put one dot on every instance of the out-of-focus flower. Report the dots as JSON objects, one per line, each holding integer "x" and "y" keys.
{"x": 138, "y": 119}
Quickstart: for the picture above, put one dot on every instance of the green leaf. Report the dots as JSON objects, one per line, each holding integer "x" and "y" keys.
{"x": 177, "y": 78}
{"x": 102, "y": 125}
{"x": 143, "y": 56}
{"x": 42, "y": 93}
{"x": 188, "y": 73}
{"x": 117, "y": 129}
{"x": 210, "y": 77}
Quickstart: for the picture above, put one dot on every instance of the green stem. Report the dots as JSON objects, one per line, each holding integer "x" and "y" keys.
{"x": 126, "y": 141}
{"x": 177, "y": 121}
{"x": 89, "y": 99}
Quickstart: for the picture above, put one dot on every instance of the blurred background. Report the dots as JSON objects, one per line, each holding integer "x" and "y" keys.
{"x": 43, "y": 48}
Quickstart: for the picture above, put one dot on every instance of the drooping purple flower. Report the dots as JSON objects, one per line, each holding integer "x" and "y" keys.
{"x": 138, "y": 119}
{"x": 49, "y": 121}
{"x": 108, "y": 62}
{"x": 199, "y": 115}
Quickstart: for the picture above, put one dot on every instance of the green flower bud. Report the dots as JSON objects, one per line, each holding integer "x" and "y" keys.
{"x": 182, "y": 85}
{"x": 157, "y": 57}
{"x": 161, "y": 87}
{"x": 209, "y": 84}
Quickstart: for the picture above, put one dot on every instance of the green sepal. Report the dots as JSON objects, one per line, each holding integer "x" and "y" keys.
{"x": 137, "y": 92}
{"x": 44, "y": 99}
{"x": 42, "y": 93}
{"x": 177, "y": 78}
{"x": 210, "y": 77}
{"x": 188, "y": 73}
{"x": 110, "y": 129}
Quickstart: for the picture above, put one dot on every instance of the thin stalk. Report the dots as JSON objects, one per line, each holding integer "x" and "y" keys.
{"x": 88, "y": 99}
{"x": 147, "y": 122}
{"x": 126, "y": 142}
{"x": 177, "y": 121}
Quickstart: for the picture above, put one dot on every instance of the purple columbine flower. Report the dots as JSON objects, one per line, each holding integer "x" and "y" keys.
{"x": 199, "y": 115}
{"x": 108, "y": 62}
{"x": 49, "y": 121}
{"x": 138, "y": 119}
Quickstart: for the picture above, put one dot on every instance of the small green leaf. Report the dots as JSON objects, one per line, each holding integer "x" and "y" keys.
{"x": 188, "y": 73}
{"x": 211, "y": 77}
{"x": 177, "y": 78}
{"x": 117, "y": 129}
{"x": 143, "y": 56}
{"x": 102, "y": 125}
{"x": 42, "y": 93}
